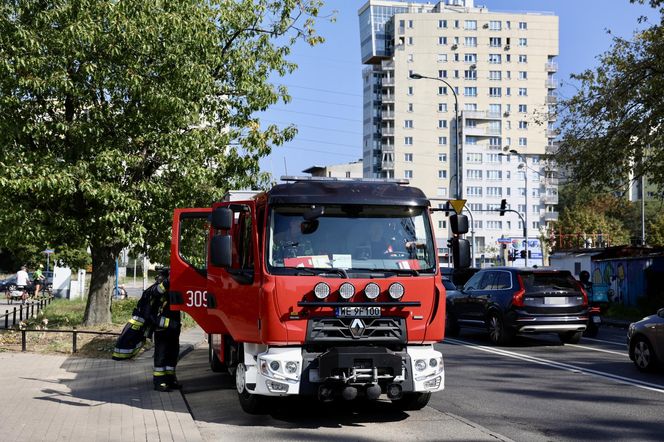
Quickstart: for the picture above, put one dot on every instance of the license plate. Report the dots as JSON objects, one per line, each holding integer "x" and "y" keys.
{"x": 597, "y": 319}
{"x": 557, "y": 300}
{"x": 358, "y": 312}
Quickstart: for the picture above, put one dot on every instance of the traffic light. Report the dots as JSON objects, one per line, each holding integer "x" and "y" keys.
{"x": 459, "y": 224}
{"x": 522, "y": 254}
{"x": 460, "y": 252}
{"x": 503, "y": 207}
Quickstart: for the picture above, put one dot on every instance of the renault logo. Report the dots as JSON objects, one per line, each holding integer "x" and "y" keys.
{"x": 357, "y": 327}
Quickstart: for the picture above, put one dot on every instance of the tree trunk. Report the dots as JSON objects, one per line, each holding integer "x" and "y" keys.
{"x": 98, "y": 308}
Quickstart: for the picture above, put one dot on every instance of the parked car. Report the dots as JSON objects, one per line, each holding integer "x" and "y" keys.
{"x": 509, "y": 300}
{"x": 458, "y": 277}
{"x": 451, "y": 291}
{"x": 646, "y": 341}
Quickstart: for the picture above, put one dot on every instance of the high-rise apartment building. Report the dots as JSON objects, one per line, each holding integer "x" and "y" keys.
{"x": 500, "y": 68}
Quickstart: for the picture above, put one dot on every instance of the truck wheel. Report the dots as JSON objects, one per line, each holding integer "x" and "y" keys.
{"x": 570, "y": 337}
{"x": 412, "y": 401}
{"x": 250, "y": 403}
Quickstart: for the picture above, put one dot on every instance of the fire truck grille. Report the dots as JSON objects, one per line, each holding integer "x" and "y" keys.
{"x": 386, "y": 330}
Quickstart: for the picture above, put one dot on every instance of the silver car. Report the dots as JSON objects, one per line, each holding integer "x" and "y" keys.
{"x": 646, "y": 341}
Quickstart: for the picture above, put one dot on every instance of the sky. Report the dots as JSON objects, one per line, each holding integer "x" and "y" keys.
{"x": 326, "y": 89}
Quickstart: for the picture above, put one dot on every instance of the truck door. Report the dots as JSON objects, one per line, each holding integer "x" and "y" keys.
{"x": 188, "y": 275}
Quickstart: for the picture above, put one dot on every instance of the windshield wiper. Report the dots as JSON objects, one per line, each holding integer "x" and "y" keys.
{"x": 324, "y": 272}
{"x": 405, "y": 272}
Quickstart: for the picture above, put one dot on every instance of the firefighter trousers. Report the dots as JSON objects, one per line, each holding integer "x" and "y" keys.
{"x": 166, "y": 352}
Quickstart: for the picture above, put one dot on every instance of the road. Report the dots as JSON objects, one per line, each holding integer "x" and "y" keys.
{"x": 534, "y": 390}
{"x": 538, "y": 389}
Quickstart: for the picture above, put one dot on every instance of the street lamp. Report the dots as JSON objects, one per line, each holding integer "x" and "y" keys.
{"x": 458, "y": 182}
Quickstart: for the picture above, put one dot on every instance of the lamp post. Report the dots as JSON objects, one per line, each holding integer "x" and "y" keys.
{"x": 458, "y": 181}
{"x": 523, "y": 166}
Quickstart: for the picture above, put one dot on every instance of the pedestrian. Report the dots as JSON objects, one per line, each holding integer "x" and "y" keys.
{"x": 38, "y": 278}
{"x": 22, "y": 282}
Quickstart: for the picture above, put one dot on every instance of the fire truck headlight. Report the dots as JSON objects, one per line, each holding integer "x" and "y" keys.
{"x": 321, "y": 290}
{"x": 291, "y": 367}
{"x": 396, "y": 291}
{"x": 347, "y": 290}
{"x": 274, "y": 365}
{"x": 420, "y": 365}
{"x": 372, "y": 290}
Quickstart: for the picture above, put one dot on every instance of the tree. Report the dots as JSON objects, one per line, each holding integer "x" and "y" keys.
{"x": 584, "y": 221}
{"x": 612, "y": 127}
{"x": 114, "y": 113}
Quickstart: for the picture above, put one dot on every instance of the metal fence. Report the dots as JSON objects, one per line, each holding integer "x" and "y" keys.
{"x": 73, "y": 331}
{"x": 24, "y": 311}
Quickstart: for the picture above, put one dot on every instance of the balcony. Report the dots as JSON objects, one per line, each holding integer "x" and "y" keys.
{"x": 482, "y": 115}
{"x": 551, "y": 67}
{"x": 388, "y": 81}
{"x": 550, "y": 216}
{"x": 387, "y": 147}
{"x": 387, "y": 98}
{"x": 387, "y": 65}
{"x": 387, "y": 114}
{"x": 551, "y": 99}
{"x": 552, "y": 133}
{"x": 389, "y": 165}
{"x": 481, "y": 131}
{"x": 387, "y": 131}
{"x": 549, "y": 199}
{"x": 551, "y": 83}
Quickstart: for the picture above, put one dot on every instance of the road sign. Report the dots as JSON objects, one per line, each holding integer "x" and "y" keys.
{"x": 457, "y": 205}
{"x": 504, "y": 240}
{"x": 48, "y": 251}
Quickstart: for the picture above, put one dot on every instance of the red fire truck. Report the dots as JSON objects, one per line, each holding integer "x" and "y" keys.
{"x": 322, "y": 287}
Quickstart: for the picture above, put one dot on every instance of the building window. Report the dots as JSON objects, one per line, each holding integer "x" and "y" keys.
{"x": 493, "y": 158}
{"x": 523, "y": 25}
{"x": 408, "y": 141}
{"x": 442, "y": 90}
{"x": 494, "y": 175}
{"x": 442, "y": 73}
{"x": 442, "y": 40}
{"x": 470, "y": 91}
{"x": 410, "y": 24}
{"x": 470, "y": 25}
{"x": 410, "y": 107}
{"x": 494, "y": 191}
{"x": 495, "y": 75}
{"x": 442, "y": 191}
{"x": 508, "y": 24}
{"x": 408, "y": 157}
{"x": 442, "y": 124}
{"x": 411, "y": 40}
{"x": 470, "y": 74}
{"x": 470, "y": 41}
{"x": 508, "y": 74}
{"x": 495, "y": 42}
{"x": 470, "y": 106}
{"x": 441, "y": 58}
{"x": 494, "y": 58}
{"x": 442, "y": 140}
{"x": 472, "y": 157}
{"x": 523, "y": 125}
{"x": 442, "y": 157}
{"x": 494, "y": 25}
{"x": 408, "y": 124}
{"x": 523, "y": 58}
{"x": 407, "y": 173}
{"x": 456, "y": 56}
{"x": 474, "y": 191}
{"x": 470, "y": 58}
{"x": 442, "y": 24}
{"x": 456, "y": 24}
{"x": 474, "y": 174}
{"x": 494, "y": 225}
{"x": 523, "y": 42}
{"x": 523, "y": 108}
{"x": 410, "y": 58}
{"x": 523, "y": 141}
{"x": 475, "y": 207}
{"x": 523, "y": 91}
{"x": 442, "y": 174}
{"x": 523, "y": 75}
{"x": 442, "y": 107}
{"x": 495, "y": 92}
{"x": 410, "y": 90}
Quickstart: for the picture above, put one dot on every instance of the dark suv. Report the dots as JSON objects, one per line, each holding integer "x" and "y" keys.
{"x": 508, "y": 300}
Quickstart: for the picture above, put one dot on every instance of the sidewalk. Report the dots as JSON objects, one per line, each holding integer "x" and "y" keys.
{"x": 51, "y": 397}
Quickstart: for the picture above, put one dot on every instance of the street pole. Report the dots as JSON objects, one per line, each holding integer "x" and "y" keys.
{"x": 459, "y": 181}
{"x": 472, "y": 235}
{"x": 525, "y": 227}
{"x": 643, "y": 210}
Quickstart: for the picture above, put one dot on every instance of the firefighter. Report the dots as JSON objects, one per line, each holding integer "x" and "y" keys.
{"x": 166, "y": 343}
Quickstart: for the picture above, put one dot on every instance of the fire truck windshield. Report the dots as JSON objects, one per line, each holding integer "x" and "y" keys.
{"x": 350, "y": 237}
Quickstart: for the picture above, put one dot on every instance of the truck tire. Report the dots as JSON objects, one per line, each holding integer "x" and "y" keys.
{"x": 250, "y": 403}
{"x": 412, "y": 401}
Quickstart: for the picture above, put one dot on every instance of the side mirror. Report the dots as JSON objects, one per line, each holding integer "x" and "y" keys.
{"x": 221, "y": 251}
{"x": 222, "y": 218}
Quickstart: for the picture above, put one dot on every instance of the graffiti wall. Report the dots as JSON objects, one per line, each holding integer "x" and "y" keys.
{"x": 624, "y": 279}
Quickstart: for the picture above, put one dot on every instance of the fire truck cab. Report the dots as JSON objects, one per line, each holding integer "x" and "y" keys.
{"x": 321, "y": 287}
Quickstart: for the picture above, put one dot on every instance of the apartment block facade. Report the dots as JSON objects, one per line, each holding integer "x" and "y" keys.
{"x": 500, "y": 68}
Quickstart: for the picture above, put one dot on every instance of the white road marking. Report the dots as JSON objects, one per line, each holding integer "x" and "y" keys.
{"x": 561, "y": 365}
{"x": 607, "y": 342}
{"x": 624, "y": 353}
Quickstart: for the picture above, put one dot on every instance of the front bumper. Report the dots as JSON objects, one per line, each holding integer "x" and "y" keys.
{"x": 292, "y": 371}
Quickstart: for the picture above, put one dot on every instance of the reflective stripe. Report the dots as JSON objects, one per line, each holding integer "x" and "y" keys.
{"x": 159, "y": 373}
{"x": 160, "y": 288}
{"x": 168, "y": 367}
{"x": 164, "y": 321}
